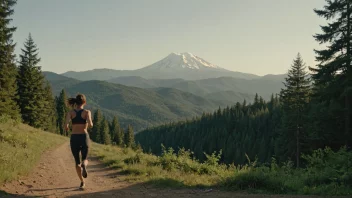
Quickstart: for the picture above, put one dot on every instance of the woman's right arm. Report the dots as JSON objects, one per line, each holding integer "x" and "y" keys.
{"x": 90, "y": 122}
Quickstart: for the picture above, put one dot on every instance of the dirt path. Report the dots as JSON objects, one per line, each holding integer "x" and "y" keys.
{"x": 55, "y": 176}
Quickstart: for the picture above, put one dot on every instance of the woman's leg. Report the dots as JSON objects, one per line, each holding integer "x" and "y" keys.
{"x": 75, "y": 149}
{"x": 79, "y": 172}
{"x": 84, "y": 152}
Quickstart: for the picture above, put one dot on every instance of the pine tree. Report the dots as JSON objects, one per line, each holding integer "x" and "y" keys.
{"x": 295, "y": 98}
{"x": 61, "y": 109}
{"x": 116, "y": 133}
{"x": 123, "y": 137}
{"x": 95, "y": 136}
{"x": 31, "y": 86}
{"x": 8, "y": 70}
{"x": 50, "y": 119}
{"x": 129, "y": 137}
{"x": 105, "y": 133}
{"x": 333, "y": 75}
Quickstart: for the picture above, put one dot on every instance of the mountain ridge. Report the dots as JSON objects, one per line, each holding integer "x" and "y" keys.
{"x": 140, "y": 107}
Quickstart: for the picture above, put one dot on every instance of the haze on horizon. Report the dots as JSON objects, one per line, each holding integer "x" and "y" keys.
{"x": 258, "y": 37}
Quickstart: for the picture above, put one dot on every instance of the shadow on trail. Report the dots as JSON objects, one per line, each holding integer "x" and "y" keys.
{"x": 157, "y": 188}
{"x": 160, "y": 188}
{"x": 4, "y": 194}
{"x": 43, "y": 190}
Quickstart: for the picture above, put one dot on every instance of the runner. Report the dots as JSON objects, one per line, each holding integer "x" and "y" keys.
{"x": 81, "y": 119}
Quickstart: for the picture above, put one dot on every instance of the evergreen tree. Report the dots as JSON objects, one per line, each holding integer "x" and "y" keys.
{"x": 115, "y": 132}
{"x": 49, "y": 121}
{"x": 32, "y": 91}
{"x": 129, "y": 137}
{"x": 333, "y": 75}
{"x": 97, "y": 120}
{"x": 8, "y": 70}
{"x": 105, "y": 133}
{"x": 295, "y": 98}
{"x": 61, "y": 109}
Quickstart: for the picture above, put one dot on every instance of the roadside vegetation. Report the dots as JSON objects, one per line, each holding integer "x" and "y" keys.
{"x": 326, "y": 172}
{"x": 21, "y": 147}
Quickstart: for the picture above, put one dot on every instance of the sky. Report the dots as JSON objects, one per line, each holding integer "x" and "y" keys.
{"x": 252, "y": 36}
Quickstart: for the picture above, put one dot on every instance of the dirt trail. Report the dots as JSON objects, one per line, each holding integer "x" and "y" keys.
{"x": 55, "y": 176}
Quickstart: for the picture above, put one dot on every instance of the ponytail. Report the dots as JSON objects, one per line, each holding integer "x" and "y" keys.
{"x": 72, "y": 101}
{"x": 79, "y": 100}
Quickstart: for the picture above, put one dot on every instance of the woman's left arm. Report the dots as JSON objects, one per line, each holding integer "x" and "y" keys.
{"x": 68, "y": 118}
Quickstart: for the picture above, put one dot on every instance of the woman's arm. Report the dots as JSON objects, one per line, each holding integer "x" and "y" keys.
{"x": 68, "y": 118}
{"x": 90, "y": 122}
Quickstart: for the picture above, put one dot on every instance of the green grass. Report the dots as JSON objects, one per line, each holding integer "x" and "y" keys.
{"x": 21, "y": 147}
{"x": 168, "y": 170}
{"x": 328, "y": 173}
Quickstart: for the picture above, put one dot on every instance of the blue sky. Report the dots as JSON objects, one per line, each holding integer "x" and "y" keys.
{"x": 253, "y": 36}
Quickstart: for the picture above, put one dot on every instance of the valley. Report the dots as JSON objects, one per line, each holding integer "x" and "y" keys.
{"x": 146, "y": 102}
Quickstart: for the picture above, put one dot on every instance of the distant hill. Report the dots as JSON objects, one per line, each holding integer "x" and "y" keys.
{"x": 227, "y": 87}
{"x": 140, "y": 107}
{"x": 146, "y": 102}
{"x": 230, "y": 97}
{"x": 262, "y": 86}
{"x": 58, "y": 82}
{"x": 137, "y": 81}
{"x": 274, "y": 77}
{"x": 176, "y": 65}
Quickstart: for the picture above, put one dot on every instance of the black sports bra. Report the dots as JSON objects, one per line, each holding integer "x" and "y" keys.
{"x": 78, "y": 119}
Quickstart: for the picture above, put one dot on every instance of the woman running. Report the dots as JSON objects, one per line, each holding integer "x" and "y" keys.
{"x": 81, "y": 119}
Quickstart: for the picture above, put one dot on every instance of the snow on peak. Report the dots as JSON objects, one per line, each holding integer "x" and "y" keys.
{"x": 184, "y": 60}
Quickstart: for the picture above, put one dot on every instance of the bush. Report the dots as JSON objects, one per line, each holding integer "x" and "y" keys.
{"x": 325, "y": 166}
{"x": 256, "y": 180}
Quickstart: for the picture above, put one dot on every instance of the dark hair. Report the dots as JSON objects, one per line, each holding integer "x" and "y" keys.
{"x": 79, "y": 100}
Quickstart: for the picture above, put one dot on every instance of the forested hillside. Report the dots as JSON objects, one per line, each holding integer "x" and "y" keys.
{"x": 264, "y": 86}
{"x": 239, "y": 130}
{"x": 141, "y": 107}
{"x": 289, "y": 125}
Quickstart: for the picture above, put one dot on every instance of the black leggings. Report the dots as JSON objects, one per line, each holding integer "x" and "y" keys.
{"x": 79, "y": 143}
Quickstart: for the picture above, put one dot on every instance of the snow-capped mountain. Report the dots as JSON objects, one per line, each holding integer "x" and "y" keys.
{"x": 187, "y": 66}
{"x": 183, "y": 61}
{"x": 174, "y": 66}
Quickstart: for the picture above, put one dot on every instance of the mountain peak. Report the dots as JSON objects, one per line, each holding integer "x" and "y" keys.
{"x": 184, "y": 60}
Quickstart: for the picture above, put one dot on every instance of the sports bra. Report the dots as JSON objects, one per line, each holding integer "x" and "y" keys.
{"x": 78, "y": 119}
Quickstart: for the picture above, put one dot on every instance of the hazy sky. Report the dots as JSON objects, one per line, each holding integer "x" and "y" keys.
{"x": 255, "y": 36}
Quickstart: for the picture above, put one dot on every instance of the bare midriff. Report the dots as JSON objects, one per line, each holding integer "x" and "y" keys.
{"x": 79, "y": 128}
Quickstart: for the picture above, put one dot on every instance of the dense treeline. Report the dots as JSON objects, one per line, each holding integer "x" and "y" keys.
{"x": 110, "y": 133}
{"x": 310, "y": 113}
{"x": 24, "y": 92}
{"x": 241, "y": 129}
{"x": 8, "y": 69}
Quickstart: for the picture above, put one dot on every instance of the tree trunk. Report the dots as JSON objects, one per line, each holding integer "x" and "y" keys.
{"x": 347, "y": 94}
{"x": 297, "y": 147}
{"x": 348, "y": 120}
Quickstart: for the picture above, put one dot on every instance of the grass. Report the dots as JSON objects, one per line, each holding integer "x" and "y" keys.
{"x": 140, "y": 167}
{"x": 21, "y": 147}
{"x": 326, "y": 173}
